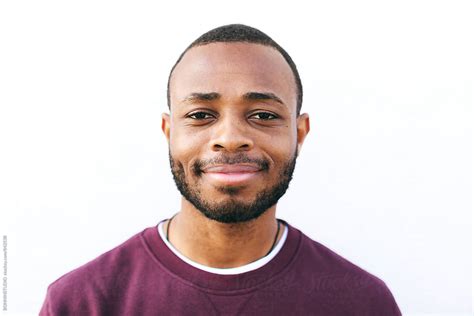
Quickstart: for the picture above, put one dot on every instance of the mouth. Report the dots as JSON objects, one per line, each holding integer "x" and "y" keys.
{"x": 236, "y": 174}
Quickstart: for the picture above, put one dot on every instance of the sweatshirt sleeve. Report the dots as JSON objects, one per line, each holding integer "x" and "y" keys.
{"x": 65, "y": 298}
{"x": 385, "y": 303}
{"x": 45, "y": 309}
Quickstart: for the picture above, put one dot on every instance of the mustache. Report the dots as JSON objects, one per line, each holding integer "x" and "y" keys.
{"x": 199, "y": 165}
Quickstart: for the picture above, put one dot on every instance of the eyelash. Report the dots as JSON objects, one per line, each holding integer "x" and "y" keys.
{"x": 190, "y": 115}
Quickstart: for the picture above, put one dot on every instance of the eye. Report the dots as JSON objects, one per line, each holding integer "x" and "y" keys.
{"x": 199, "y": 115}
{"x": 265, "y": 116}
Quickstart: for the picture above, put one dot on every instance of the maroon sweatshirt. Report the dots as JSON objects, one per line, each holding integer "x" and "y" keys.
{"x": 143, "y": 276}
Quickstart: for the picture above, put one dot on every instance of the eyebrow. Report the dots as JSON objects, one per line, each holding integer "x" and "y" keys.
{"x": 262, "y": 96}
{"x": 199, "y": 96}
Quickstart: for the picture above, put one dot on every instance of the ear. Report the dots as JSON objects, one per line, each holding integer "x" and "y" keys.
{"x": 166, "y": 125}
{"x": 302, "y": 129}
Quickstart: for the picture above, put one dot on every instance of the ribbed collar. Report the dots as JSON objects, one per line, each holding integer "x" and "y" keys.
{"x": 211, "y": 282}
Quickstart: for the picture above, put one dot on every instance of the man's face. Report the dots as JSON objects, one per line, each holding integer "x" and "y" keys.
{"x": 233, "y": 133}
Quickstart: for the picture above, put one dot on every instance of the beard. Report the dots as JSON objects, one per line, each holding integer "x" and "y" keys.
{"x": 232, "y": 210}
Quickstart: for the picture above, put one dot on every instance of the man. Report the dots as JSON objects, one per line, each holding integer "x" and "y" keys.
{"x": 234, "y": 132}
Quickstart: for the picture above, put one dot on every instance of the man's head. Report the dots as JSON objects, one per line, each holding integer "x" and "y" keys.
{"x": 234, "y": 128}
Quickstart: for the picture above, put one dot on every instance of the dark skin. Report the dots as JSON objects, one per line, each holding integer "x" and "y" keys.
{"x": 228, "y": 99}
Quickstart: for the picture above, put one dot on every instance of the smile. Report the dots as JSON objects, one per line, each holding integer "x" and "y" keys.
{"x": 232, "y": 174}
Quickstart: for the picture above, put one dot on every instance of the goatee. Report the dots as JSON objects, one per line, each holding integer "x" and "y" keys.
{"x": 233, "y": 211}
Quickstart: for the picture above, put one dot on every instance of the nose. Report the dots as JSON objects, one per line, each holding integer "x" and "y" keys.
{"x": 231, "y": 136}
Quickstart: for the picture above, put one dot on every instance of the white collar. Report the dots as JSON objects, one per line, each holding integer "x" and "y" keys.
{"x": 227, "y": 271}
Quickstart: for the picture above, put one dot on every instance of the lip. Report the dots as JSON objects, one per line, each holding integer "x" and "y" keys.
{"x": 236, "y": 168}
{"x": 232, "y": 174}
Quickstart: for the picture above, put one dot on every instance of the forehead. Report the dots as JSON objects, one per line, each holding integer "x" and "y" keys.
{"x": 233, "y": 69}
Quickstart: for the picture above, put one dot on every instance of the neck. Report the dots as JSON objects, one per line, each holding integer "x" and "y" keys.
{"x": 221, "y": 245}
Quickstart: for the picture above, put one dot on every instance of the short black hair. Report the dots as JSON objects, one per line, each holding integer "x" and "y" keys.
{"x": 242, "y": 33}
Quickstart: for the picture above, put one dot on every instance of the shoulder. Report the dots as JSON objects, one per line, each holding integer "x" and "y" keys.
{"x": 321, "y": 258}
{"x": 90, "y": 283}
{"x": 332, "y": 276}
{"x": 104, "y": 264}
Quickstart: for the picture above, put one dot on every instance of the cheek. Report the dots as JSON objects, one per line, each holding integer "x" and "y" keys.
{"x": 185, "y": 148}
{"x": 281, "y": 143}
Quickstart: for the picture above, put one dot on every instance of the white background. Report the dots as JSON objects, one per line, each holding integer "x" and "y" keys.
{"x": 384, "y": 177}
